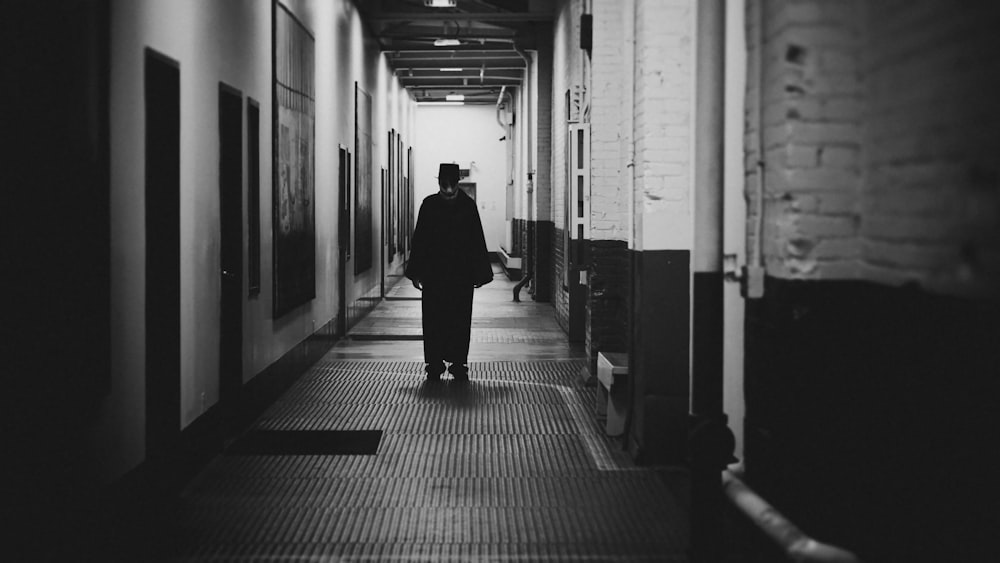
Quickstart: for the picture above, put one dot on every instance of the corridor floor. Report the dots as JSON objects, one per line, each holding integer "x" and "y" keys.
{"x": 512, "y": 466}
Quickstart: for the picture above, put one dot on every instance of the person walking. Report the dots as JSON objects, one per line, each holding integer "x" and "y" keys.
{"x": 448, "y": 260}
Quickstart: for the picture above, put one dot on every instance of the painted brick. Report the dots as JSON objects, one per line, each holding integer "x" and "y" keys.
{"x": 664, "y": 78}
{"x": 911, "y": 229}
{"x": 812, "y": 132}
{"x": 812, "y": 179}
{"x": 910, "y": 257}
{"x": 797, "y": 156}
{"x": 816, "y": 133}
{"x": 832, "y": 203}
{"x": 844, "y": 249}
{"x": 567, "y": 61}
{"x": 926, "y": 144}
{"x": 607, "y": 313}
{"x": 827, "y": 226}
{"x": 841, "y": 109}
{"x": 608, "y": 207}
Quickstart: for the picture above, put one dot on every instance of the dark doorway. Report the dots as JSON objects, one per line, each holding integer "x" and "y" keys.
{"x": 343, "y": 235}
{"x": 385, "y": 237}
{"x": 231, "y": 244}
{"x": 163, "y": 256}
{"x": 253, "y": 198}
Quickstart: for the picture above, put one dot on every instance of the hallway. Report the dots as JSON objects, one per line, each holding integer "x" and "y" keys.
{"x": 790, "y": 232}
{"x": 511, "y": 466}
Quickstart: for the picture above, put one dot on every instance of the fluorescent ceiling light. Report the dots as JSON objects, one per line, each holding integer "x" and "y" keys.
{"x": 446, "y": 42}
{"x": 455, "y": 97}
{"x": 440, "y": 103}
{"x": 440, "y": 3}
{"x": 451, "y": 69}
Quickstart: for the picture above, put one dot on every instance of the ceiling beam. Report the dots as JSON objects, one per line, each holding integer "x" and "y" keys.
{"x": 461, "y": 17}
{"x": 470, "y": 36}
{"x": 460, "y": 86}
{"x": 467, "y": 70}
{"x": 505, "y": 47}
{"x": 509, "y": 58}
{"x": 461, "y": 79}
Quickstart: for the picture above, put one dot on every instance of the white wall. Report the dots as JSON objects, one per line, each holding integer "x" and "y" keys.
{"x": 228, "y": 41}
{"x": 470, "y": 137}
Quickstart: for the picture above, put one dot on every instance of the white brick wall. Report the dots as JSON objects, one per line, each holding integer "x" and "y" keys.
{"x": 543, "y": 144}
{"x": 812, "y": 115}
{"x": 566, "y": 63}
{"x": 882, "y": 133}
{"x": 664, "y": 115}
{"x": 609, "y": 204}
{"x": 931, "y": 203}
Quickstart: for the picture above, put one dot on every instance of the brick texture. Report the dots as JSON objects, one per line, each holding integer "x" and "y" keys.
{"x": 812, "y": 93}
{"x": 930, "y": 203}
{"x": 880, "y": 141}
{"x": 560, "y": 294}
{"x": 609, "y": 203}
{"x": 607, "y": 306}
{"x": 567, "y": 76}
{"x": 664, "y": 114}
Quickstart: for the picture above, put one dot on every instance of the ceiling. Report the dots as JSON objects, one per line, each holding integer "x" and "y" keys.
{"x": 492, "y": 36}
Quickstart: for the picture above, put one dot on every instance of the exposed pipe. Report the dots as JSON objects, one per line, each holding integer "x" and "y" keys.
{"x": 517, "y": 288}
{"x": 508, "y": 133}
{"x": 761, "y": 149}
{"x": 503, "y": 90}
{"x": 526, "y": 89}
{"x": 794, "y": 542}
{"x": 530, "y": 126}
{"x": 629, "y": 105}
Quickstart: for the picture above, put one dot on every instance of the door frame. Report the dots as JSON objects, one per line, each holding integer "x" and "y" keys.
{"x": 231, "y": 245}
{"x": 163, "y": 254}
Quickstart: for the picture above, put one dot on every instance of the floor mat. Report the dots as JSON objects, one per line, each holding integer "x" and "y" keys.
{"x": 307, "y": 442}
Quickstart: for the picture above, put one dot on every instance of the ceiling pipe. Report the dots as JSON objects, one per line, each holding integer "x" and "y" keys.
{"x": 507, "y": 136}
{"x": 526, "y": 91}
{"x": 503, "y": 91}
{"x": 482, "y": 17}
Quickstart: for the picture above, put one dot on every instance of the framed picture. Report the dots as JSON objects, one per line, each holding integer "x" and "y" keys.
{"x": 362, "y": 180}
{"x": 294, "y": 138}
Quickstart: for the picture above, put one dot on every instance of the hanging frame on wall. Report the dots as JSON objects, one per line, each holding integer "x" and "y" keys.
{"x": 294, "y": 140}
{"x": 363, "y": 180}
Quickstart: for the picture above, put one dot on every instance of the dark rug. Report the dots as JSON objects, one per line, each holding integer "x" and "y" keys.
{"x": 307, "y": 442}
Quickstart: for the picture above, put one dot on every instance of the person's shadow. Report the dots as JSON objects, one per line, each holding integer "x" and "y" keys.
{"x": 457, "y": 394}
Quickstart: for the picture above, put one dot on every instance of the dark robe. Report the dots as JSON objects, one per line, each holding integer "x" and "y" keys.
{"x": 449, "y": 258}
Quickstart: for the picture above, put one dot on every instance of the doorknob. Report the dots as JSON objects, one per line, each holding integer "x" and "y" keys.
{"x": 228, "y": 274}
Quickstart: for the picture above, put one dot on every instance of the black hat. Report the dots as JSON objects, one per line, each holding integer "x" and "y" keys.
{"x": 448, "y": 173}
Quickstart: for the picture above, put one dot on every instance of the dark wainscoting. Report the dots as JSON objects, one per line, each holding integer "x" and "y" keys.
{"x": 707, "y": 335}
{"x": 134, "y": 516}
{"x": 607, "y": 303}
{"x": 871, "y": 412}
{"x": 659, "y": 355}
{"x": 542, "y": 268}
